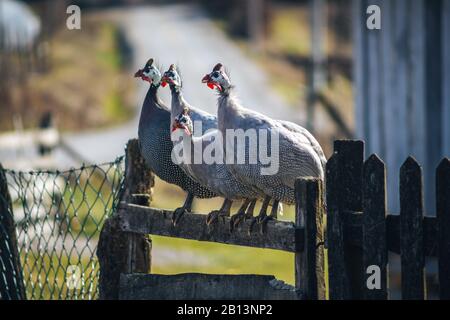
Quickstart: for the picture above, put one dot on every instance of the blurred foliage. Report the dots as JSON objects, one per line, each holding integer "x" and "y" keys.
{"x": 84, "y": 84}
{"x": 114, "y": 107}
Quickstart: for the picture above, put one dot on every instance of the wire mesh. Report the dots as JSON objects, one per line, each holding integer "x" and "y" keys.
{"x": 58, "y": 217}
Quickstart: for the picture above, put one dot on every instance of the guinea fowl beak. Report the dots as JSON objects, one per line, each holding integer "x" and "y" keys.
{"x": 210, "y": 83}
{"x": 206, "y": 79}
{"x": 140, "y": 74}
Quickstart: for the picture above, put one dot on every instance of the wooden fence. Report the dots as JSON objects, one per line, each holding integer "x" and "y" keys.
{"x": 359, "y": 236}
{"x": 360, "y": 232}
{"x": 125, "y": 259}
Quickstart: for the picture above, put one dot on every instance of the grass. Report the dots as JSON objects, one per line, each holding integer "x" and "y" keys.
{"x": 222, "y": 259}
{"x": 47, "y": 276}
{"x": 109, "y": 52}
{"x": 173, "y": 256}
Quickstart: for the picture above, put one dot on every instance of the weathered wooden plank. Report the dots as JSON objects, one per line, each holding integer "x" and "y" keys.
{"x": 309, "y": 264}
{"x": 429, "y": 235}
{"x": 353, "y": 225}
{"x": 195, "y": 286}
{"x": 411, "y": 231}
{"x": 139, "y": 180}
{"x": 443, "y": 217}
{"x": 351, "y": 159}
{"x": 339, "y": 288}
{"x": 374, "y": 226}
{"x": 113, "y": 253}
{"x": 350, "y": 167}
{"x": 280, "y": 235}
{"x": 11, "y": 278}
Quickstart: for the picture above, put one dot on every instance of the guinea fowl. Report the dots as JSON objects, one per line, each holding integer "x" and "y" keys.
{"x": 215, "y": 176}
{"x": 299, "y": 153}
{"x": 213, "y": 173}
{"x": 156, "y": 145}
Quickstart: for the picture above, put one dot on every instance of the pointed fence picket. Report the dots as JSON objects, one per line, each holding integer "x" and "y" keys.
{"x": 377, "y": 233}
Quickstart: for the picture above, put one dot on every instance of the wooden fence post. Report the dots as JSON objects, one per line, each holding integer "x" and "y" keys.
{"x": 344, "y": 193}
{"x": 11, "y": 284}
{"x": 443, "y": 217}
{"x": 375, "y": 251}
{"x": 126, "y": 252}
{"x": 309, "y": 264}
{"x": 411, "y": 231}
{"x": 338, "y": 284}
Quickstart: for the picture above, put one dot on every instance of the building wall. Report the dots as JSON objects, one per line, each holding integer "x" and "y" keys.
{"x": 402, "y": 90}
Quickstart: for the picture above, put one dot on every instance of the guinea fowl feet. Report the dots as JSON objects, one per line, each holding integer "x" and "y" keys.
{"x": 236, "y": 220}
{"x": 214, "y": 216}
{"x": 262, "y": 221}
{"x": 177, "y": 214}
{"x": 253, "y": 222}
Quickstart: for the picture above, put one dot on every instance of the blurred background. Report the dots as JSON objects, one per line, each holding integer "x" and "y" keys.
{"x": 68, "y": 97}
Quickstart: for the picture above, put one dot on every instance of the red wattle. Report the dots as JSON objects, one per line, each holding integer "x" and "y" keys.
{"x": 211, "y": 85}
{"x": 163, "y": 84}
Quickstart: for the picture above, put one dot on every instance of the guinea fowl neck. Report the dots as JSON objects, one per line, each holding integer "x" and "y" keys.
{"x": 227, "y": 98}
{"x": 152, "y": 94}
{"x": 178, "y": 101}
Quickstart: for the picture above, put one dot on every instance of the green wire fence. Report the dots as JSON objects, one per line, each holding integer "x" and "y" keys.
{"x": 58, "y": 217}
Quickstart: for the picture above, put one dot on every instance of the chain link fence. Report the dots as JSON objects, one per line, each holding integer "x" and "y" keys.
{"x": 58, "y": 218}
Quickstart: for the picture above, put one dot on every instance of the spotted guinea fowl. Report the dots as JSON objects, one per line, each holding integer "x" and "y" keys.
{"x": 155, "y": 143}
{"x": 212, "y": 172}
{"x": 208, "y": 122}
{"x": 299, "y": 154}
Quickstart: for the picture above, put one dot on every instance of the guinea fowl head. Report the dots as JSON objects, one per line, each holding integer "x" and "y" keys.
{"x": 149, "y": 73}
{"x": 218, "y": 78}
{"x": 183, "y": 121}
{"x": 171, "y": 77}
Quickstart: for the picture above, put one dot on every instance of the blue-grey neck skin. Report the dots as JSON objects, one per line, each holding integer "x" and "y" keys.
{"x": 151, "y": 98}
{"x": 178, "y": 103}
{"x": 227, "y": 110}
{"x": 156, "y": 145}
{"x": 152, "y": 112}
{"x": 226, "y": 91}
